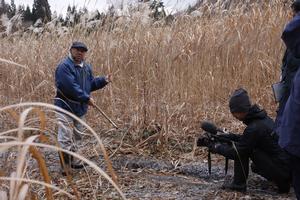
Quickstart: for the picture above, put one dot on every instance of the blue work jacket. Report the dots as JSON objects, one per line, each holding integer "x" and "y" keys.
{"x": 74, "y": 84}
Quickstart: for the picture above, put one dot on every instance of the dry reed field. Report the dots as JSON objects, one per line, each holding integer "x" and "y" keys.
{"x": 166, "y": 79}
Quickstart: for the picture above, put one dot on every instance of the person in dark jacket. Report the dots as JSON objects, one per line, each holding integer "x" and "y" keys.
{"x": 289, "y": 129}
{"x": 258, "y": 143}
{"x": 290, "y": 65}
{"x": 74, "y": 82}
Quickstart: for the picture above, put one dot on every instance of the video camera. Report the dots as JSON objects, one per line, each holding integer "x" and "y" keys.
{"x": 212, "y": 132}
{"x": 213, "y": 136}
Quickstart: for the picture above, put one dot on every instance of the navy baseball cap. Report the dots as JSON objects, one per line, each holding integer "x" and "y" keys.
{"x": 79, "y": 45}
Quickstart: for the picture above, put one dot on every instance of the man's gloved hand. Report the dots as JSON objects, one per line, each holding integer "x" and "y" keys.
{"x": 211, "y": 145}
{"x": 230, "y": 136}
{"x": 203, "y": 142}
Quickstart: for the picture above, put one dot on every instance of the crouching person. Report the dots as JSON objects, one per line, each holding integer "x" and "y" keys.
{"x": 74, "y": 82}
{"x": 258, "y": 143}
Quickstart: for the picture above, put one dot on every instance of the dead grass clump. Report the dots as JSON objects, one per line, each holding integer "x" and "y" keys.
{"x": 16, "y": 141}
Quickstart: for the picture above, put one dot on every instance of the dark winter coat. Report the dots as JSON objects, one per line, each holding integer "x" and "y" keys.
{"x": 291, "y": 34}
{"x": 258, "y": 135}
{"x": 74, "y": 85}
{"x": 290, "y": 127}
{"x": 289, "y": 67}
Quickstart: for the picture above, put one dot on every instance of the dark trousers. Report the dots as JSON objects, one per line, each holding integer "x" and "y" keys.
{"x": 295, "y": 163}
{"x": 274, "y": 171}
{"x": 241, "y": 170}
{"x": 265, "y": 166}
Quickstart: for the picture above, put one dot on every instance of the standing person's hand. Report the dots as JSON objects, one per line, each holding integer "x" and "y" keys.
{"x": 91, "y": 102}
{"x": 108, "y": 78}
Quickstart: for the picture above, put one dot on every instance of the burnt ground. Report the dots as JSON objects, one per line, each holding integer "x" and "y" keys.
{"x": 157, "y": 179}
{"x": 145, "y": 177}
{"x": 150, "y": 178}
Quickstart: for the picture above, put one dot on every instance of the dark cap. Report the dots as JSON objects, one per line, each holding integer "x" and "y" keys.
{"x": 79, "y": 45}
{"x": 239, "y": 101}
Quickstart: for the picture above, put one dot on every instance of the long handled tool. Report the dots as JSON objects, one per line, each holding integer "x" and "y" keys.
{"x": 104, "y": 115}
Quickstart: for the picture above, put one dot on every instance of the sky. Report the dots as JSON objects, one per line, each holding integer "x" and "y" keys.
{"x": 60, "y": 6}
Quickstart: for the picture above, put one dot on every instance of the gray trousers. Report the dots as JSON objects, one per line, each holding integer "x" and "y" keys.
{"x": 69, "y": 132}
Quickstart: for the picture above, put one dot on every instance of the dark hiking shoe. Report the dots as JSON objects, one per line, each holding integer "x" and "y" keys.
{"x": 64, "y": 173}
{"x": 73, "y": 166}
{"x": 64, "y": 159}
{"x": 64, "y": 162}
{"x": 78, "y": 165}
{"x": 69, "y": 167}
{"x": 67, "y": 161}
{"x": 235, "y": 187}
{"x": 254, "y": 168}
{"x": 283, "y": 189}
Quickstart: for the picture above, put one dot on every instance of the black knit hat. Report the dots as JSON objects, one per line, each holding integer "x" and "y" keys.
{"x": 296, "y": 5}
{"x": 239, "y": 101}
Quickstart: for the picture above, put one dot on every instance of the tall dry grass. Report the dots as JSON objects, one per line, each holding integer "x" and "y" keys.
{"x": 196, "y": 61}
{"x": 166, "y": 78}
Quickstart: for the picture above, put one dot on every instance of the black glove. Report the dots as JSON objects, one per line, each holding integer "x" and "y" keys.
{"x": 230, "y": 136}
{"x": 213, "y": 147}
{"x": 203, "y": 142}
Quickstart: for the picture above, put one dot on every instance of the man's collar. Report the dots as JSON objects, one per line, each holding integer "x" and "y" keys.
{"x": 80, "y": 65}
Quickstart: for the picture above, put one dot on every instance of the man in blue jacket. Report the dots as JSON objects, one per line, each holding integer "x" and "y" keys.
{"x": 74, "y": 82}
{"x": 289, "y": 129}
